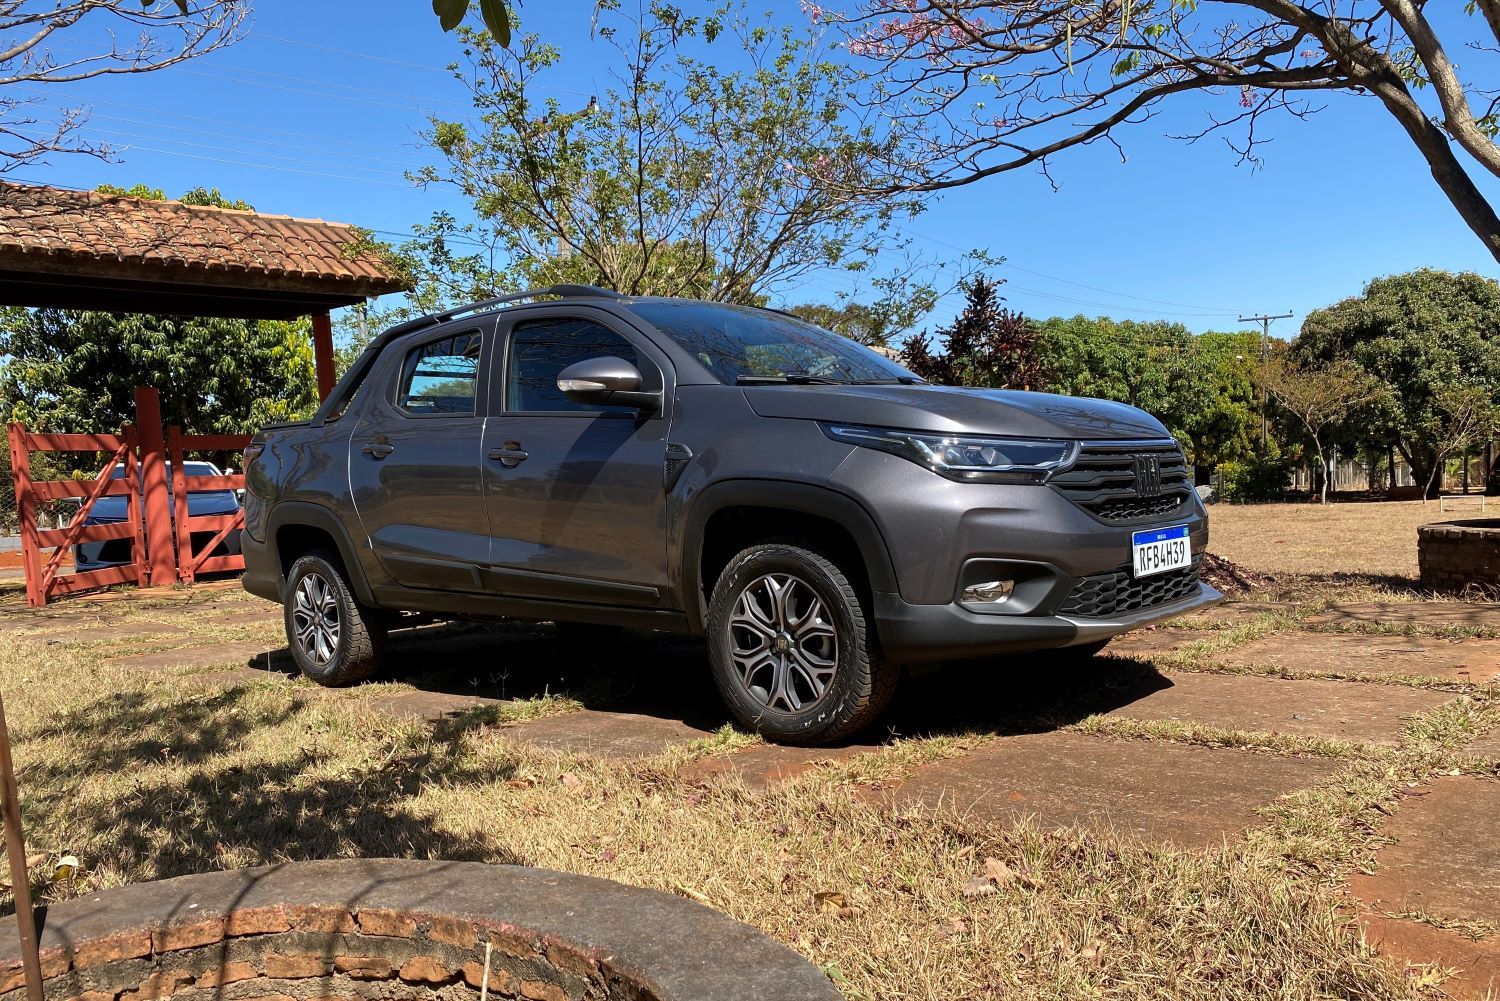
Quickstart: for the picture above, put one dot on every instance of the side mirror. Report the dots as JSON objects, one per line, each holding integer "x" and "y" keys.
{"x": 607, "y": 382}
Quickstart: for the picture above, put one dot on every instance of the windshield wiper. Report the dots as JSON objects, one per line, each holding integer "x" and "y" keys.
{"x": 789, "y": 379}
{"x": 899, "y": 380}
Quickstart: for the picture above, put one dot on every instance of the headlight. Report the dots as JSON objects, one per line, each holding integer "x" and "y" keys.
{"x": 969, "y": 458}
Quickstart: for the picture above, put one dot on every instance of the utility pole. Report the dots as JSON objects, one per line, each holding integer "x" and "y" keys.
{"x": 1265, "y": 320}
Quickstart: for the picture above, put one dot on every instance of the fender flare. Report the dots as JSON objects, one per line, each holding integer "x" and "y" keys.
{"x": 783, "y": 495}
{"x": 304, "y": 514}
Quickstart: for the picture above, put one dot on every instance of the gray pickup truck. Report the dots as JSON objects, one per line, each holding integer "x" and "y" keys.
{"x": 817, "y": 512}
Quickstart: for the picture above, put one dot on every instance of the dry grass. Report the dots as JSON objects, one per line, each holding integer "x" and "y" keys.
{"x": 1377, "y": 539}
{"x": 144, "y": 776}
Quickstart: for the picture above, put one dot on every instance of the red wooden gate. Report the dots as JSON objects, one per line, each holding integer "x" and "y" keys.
{"x": 47, "y": 581}
{"x": 158, "y": 521}
{"x": 189, "y": 562}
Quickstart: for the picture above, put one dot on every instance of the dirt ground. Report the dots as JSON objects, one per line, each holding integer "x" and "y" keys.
{"x": 1376, "y": 538}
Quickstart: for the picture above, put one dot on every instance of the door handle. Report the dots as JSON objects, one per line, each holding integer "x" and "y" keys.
{"x": 511, "y": 456}
{"x": 378, "y": 449}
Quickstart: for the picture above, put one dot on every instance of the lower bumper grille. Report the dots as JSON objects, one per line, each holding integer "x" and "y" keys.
{"x": 1118, "y": 593}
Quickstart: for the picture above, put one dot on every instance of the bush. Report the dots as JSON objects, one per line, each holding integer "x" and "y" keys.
{"x": 1256, "y": 480}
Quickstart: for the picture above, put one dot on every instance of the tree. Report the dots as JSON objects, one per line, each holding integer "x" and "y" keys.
{"x": 1415, "y": 333}
{"x": 1319, "y": 398}
{"x": 494, "y": 13}
{"x": 987, "y": 345}
{"x": 75, "y": 371}
{"x": 1468, "y": 416}
{"x": 1007, "y": 84}
{"x": 71, "y": 370}
{"x": 152, "y": 35}
{"x": 683, "y": 179}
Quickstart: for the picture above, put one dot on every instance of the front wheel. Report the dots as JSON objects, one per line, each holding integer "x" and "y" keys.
{"x": 794, "y": 654}
{"x": 334, "y": 639}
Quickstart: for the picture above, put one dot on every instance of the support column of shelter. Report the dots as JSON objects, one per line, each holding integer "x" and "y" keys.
{"x": 322, "y": 337}
{"x": 160, "y": 552}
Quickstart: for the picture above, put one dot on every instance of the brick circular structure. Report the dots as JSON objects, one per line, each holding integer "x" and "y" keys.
{"x": 1455, "y": 555}
{"x": 399, "y": 930}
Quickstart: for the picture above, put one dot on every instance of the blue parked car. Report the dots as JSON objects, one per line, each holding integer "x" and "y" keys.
{"x": 112, "y": 510}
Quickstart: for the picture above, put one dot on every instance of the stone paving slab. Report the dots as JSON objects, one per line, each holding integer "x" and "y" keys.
{"x": 1477, "y": 963}
{"x": 431, "y": 706}
{"x": 765, "y": 764}
{"x": 106, "y": 632}
{"x": 605, "y": 734}
{"x": 1155, "y": 790}
{"x": 1411, "y": 613}
{"x": 1143, "y": 644}
{"x": 1361, "y": 655}
{"x": 256, "y": 655}
{"x": 1445, "y": 857}
{"x": 1337, "y": 709}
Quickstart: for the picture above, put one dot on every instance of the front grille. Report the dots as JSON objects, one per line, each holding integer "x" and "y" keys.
{"x": 1117, "y": 593}
{"x": 1104, "y": 481}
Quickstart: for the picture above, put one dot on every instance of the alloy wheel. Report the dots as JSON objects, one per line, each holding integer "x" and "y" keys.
{"x": 315, "y": 618}
{"x": 783, "y": 643}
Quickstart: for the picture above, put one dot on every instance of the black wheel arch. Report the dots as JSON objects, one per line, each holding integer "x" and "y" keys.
{"x": 777, "y": 496}
{"x": 304, "y": 515}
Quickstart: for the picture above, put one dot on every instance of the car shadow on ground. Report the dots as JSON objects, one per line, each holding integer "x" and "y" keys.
{"x": 667, "y": 677}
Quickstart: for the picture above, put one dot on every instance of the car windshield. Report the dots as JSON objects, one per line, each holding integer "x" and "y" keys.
{"x": 737, "y": 343}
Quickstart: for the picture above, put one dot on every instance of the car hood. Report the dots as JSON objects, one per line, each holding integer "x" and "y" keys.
{"x": 954, "y": 410}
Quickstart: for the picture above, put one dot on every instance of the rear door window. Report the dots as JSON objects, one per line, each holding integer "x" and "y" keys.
{"x": 441, "y": 378}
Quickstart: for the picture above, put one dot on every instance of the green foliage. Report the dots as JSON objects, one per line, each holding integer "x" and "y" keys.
{"x": 1256, "y": 480}
{"x": 197, "y": 196}
{"x": 686, "y": 178}
{"x": 494, "y": 13}
{"x": 76, "y": 371}
{"x": 1416, "y": 333}
{"x": 1200, "y": 387}
{"x": 987, "y": 345}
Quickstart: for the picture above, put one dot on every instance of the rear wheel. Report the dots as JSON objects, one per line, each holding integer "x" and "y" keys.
{"x": 333, "y": 638}
{"x": 793, "y": 651}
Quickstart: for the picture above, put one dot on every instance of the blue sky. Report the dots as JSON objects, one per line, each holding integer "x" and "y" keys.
{"x": 316, "y": 114}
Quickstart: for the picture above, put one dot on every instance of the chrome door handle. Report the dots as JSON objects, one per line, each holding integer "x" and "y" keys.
{"x": 511, "y": 456}
{"x": 378, "y": 449}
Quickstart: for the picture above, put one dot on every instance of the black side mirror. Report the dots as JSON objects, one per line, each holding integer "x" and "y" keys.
{"x": 607, "y": 382}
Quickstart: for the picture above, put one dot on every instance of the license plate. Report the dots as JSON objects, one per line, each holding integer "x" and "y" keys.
{"x": 1158, "y": 550}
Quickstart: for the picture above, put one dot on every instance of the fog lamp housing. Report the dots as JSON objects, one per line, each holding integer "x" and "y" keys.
{"x": 993, "y": 592}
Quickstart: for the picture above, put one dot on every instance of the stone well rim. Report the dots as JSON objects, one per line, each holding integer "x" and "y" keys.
{"x": 672, "y": 947}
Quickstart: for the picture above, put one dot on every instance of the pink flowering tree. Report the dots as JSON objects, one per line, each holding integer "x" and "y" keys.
{"x": 1013, "y": 84}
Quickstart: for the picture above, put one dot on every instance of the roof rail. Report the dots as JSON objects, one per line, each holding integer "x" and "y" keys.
{"x": 564, "y": 291}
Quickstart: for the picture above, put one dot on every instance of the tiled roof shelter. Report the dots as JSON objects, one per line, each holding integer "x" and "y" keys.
{"x": 86, "y": 250}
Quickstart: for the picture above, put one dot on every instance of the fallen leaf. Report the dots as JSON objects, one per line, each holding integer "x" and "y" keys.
{"x": 520, "y": 783}
{"x": 848, "y": 913}
{"x": 67, "y": 868}
{"x": 998, "y": 872}
{"x": 692, "y": 894}
{"x": 570, "y": 780}
{"x": 830, "y": 900}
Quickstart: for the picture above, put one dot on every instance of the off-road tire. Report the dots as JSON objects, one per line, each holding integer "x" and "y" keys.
{"x": 360, "y": 632}
{"x": 863, "y": 681}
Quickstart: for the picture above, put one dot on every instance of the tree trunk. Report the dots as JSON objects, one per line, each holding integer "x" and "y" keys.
{"x": 1322, "y": 483}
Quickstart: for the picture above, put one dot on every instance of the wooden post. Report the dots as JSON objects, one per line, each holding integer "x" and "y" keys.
{"x": 180, "y": 505}
{"x": 322, "y": 336}
{"x": 159, "y": 549}
{"x": 31, "y": 555}
{"x": 15, "y": 853}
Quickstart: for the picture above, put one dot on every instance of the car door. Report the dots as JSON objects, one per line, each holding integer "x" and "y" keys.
{"x": 414, "y": 462}
{"x": 575, "y": 492}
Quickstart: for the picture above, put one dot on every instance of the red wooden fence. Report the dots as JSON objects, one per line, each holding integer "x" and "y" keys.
{"x": 189, "y": 563}
{"x": 47, "y": 581}
{"x": 157, "y": 520}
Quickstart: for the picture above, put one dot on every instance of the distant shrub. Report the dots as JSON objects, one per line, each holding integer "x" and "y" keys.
{"x": 1256, "y": 480}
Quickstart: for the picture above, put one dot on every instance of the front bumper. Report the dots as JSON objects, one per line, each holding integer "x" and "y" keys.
{"x": 914, "y": 633}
